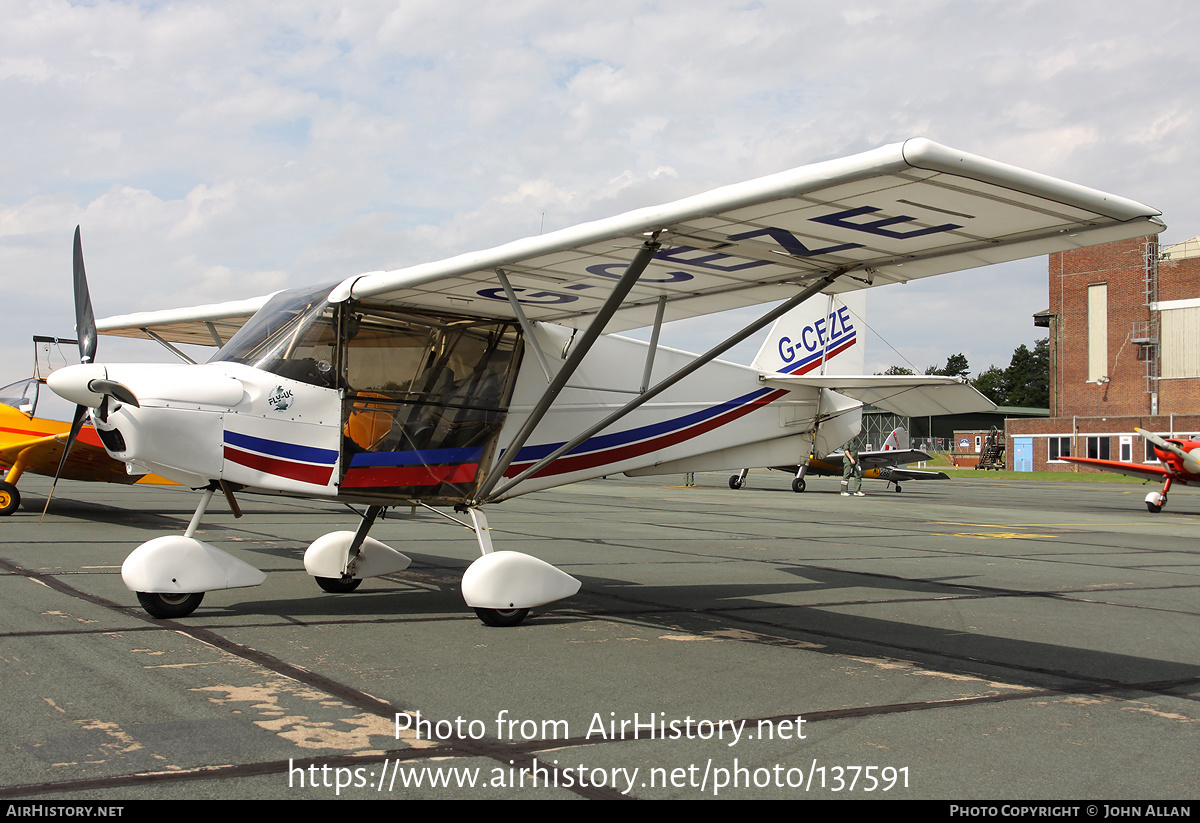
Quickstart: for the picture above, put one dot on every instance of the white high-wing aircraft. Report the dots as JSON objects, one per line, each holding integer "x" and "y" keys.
{"x": 467, "y": 381}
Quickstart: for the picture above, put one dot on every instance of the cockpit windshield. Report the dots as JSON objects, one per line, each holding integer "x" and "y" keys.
{"x": 293, "y": 336}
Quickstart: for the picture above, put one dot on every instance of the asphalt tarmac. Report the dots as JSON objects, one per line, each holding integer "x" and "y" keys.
{"x": 966, "y": 640}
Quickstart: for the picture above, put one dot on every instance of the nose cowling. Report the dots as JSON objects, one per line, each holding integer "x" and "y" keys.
{"x": 73, "y": 383}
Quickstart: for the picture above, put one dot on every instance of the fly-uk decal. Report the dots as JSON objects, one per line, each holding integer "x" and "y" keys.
{"x": 280, "y": 399}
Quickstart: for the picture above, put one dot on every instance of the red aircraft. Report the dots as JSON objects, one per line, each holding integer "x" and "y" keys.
{"x": 1180, "y": 464}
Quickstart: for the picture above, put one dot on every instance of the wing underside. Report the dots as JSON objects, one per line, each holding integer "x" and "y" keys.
{"x": 898, "y": 213}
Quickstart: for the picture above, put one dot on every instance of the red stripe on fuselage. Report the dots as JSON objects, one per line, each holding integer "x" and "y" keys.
{"x": 375, "y": 477}
{"x": 301, "y": 472}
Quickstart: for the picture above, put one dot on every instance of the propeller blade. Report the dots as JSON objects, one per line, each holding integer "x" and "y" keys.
{"x": 85, "y": 319}
{"x": 76, "y": 425}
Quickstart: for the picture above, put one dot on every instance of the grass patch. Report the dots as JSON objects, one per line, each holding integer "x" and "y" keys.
{"x": 1070, "y": 476}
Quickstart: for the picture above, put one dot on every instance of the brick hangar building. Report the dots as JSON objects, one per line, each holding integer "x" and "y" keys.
{"x": 1124, "y": 327}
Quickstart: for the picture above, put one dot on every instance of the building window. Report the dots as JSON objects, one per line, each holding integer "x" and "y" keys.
{"x": 1097, "y": 448}
{"x": 1097, "y": 328}
{"x": 1151, "y": 455}
{"x": 1060, "y": 447}
{"x": 1181, "y": 343}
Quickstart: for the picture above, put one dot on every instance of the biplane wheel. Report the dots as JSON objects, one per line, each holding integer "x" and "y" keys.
{"x": 10, "y": 498}
{"x": 798, "y": 485}
{"x": 735, "y": 482}
{"x": 338, "y": 585}
{"x": 502, "y": 617}
{"x": 1154, "y": 508}
{"x": 169, "y": 606}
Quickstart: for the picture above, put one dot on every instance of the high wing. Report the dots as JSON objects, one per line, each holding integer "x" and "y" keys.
{"x": 898, "y": 213}
{"x": 905, "y": 395}
{"x": 1131, "y": 469}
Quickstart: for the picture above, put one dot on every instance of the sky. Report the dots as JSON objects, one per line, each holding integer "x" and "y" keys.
{"x": 215, "y": 150}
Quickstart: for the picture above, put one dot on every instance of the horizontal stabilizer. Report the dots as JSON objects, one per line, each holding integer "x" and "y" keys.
{"x": 905, "y": 395}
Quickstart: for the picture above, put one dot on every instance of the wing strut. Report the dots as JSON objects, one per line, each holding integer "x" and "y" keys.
{"x": 581, "y": 348}
{"x": 658, "y": 318}
{"x": 165, "y": 344}
{"x": 663, "y": 385}
{"x": 531, "y": 341}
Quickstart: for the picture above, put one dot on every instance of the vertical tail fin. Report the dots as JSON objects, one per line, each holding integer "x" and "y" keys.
{"x": 898, "y": 440}
{"x": 820, "y": 336}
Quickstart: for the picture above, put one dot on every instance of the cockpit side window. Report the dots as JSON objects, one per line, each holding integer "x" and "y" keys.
{"x": 426, "y": 396}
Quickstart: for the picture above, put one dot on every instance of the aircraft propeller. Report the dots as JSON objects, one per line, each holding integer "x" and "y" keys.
{"x": 85, "y": 332}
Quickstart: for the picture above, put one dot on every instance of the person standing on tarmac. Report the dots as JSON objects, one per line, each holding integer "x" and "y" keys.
{"x": 851, "y": 469}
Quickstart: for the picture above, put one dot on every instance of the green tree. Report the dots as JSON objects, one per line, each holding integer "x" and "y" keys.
{"x": 956, "y": 366}
{"x": 1027, "y": 378}
{"x": 897, "y": 370}
{"x": 992, "y": 385}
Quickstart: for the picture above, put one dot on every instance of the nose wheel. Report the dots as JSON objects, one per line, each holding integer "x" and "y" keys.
{"x": 169, "y": 606}
{"x": 338, "y": 585}
{"x": 502, "y": 617}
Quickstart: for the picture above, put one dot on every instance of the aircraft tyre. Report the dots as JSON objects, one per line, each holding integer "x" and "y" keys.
{"x": 735, "y": 482}
{"x": 1154, "y": 508}
{"x": 10, "y": 498}
{"x": 337, "y": 585}
{"x": 169, "y": 606}
{"x": 502, "y": 617}
{"x": 798, "y": 485}
{"x": 897, "y": 487}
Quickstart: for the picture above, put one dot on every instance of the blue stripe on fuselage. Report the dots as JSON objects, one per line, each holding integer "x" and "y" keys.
{"x": 288, "y": 451}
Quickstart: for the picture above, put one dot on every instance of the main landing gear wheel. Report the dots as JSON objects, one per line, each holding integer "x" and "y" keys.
{"x": 1154, "y": 508}
{"x": 735, "y": 483}
{"x": 897, "y": 487}
{"x": 338, "y": 585}
{"x": 10, "y": 498}
{"x": 502, "y": 617}
{"x": 169, "y": 606}
{"x": 798, "y": 485}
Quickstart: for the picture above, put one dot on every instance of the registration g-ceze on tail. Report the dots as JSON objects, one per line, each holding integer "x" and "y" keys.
{"x": 467, "y": 381}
